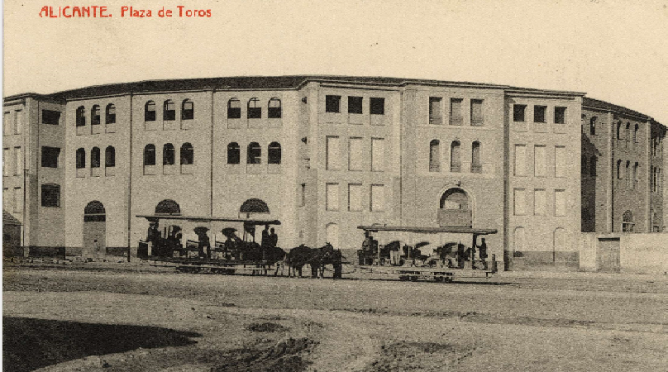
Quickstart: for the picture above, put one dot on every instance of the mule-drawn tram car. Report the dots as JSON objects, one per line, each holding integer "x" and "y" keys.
{"x": 168, "y": 242}
{"x": 404, "y": 254}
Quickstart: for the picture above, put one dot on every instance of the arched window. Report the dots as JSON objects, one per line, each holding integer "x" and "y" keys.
{"x": 94, "y": 211}
{"x": 169, "y": 111}
{"x": 95, "y": 157}
{"x": 619, "y": 130}
{"x": 254, "y": 153}
{"x": 254, "y": 109}
{"x": 81, "y": 116}
{"x": 254, "y": 205}
{"x": 81, "y": 158}
{"x": 592, "y": 166}
{"x": 233, "y": 153}
{"x": 110, "y": 114}
{"x": 149, "y": 111}
{"x": 583, "y": 120}
{"x": 629, "y": 180}
{"x": 627, "y": 222}
{"x": 168, "y": 154}
{"x": 233, "y": 109}
{"x": 455, "y": 199}
{"x": 455, "y": 161}
{"x": 592, "y": 126}
{"x": 434, "y": 156}
{"x": 274, "y": 111}
{"x": 187, "y": 110}
{"x": 635, "y": 134}
{"x": 95, "y": 115}
{"x": 187, "y": 154}
{"x": 274, "y": 153}
{"x": 110, "y": 157}
{"x": 635, "y": 176}
{"x": 628, "y": 132}
{"x": 619, "y": 169}
{"x": 168, "y": 206}
{"x": 476, "y": 164}
{"x": 149, "y": 154}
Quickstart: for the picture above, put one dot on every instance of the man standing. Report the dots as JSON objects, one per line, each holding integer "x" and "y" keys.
{"x": 482, "y": 251}
{"x": 273, "y": 238}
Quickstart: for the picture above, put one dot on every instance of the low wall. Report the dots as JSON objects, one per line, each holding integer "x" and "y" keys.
{"x": 545, "y": 260}
{"x": 638, "y": 253}
{"x": 644, "y": 253}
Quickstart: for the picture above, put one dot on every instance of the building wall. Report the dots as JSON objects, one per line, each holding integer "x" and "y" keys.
{"x": 15, "y": 140}
{"x": 108, "y": 185}
{"x": 543, "y": 215}
{"x": 657, "y": 220}
{"x": 344, "y": 218}
{"x": 50, "y": 219}
{"x": 424, "y": 184}
{"x": 596, "y": 170}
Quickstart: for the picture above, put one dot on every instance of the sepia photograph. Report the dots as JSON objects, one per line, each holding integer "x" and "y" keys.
{"x": 364, "y": 186}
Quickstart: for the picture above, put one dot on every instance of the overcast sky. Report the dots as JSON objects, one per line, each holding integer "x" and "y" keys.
{"x": 613, "y": 50}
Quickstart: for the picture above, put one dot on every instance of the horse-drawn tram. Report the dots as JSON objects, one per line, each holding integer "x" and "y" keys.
{"x": 429, "y": 253}
{"x": 169, "y": 242}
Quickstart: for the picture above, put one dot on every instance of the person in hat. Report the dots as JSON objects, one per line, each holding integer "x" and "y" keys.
{"x": 273, "y": 238}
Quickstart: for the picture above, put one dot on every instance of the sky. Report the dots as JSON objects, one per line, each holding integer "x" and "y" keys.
{"x": 613, "y": 50}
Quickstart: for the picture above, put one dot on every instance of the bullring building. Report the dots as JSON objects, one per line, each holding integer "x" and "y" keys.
{"x": 325, "y": 154}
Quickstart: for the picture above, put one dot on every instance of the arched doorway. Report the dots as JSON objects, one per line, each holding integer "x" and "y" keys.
{"x": 95, "y": 229}
{"x": 332, "y": 234}
{"x": 627, "y": 222}
{"x": 559, "y": 242}
{"x": 455, "y": 208}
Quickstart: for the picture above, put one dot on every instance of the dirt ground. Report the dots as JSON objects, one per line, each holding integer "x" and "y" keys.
{"x": 141, "y": 318}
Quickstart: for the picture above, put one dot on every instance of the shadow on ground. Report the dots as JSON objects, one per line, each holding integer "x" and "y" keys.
{"x": 30, "y": 343}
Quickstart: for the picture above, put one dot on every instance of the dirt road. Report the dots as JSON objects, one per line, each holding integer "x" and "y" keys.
{"x": 120, "y": 321}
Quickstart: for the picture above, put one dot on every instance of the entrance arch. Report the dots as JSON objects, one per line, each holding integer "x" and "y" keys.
{"x": 168, "y": 206}
{"x": 455, "y": 208}
{"x": 252, "y": 206}
{"x": 95, "y": 229}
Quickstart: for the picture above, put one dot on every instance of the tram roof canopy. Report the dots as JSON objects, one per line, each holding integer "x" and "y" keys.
{"x": 428, "y": 230}
{"x": 253, "y": 221}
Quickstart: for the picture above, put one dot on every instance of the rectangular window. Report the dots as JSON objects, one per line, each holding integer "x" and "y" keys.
{"x": 332, "y": 103}
{"x": 333, "y": 154}
{"x": 6, "y": 123}
{"x": 377, "y": 154}
{"x": 539, "y": 208}
{"x": 540, "y": 161}
{"x": 50, "y": 117}
{"x": 50, "y": 196}
{"x": 519, "y": 198}
{"x": 354, "y": 105}
{"x": 559, "y": 203}
{"x": 332, "y": 190}
{"x": 476, "y": 112}
{"x": 435, "y": 116}
{"x": 18, "y": 161}
{"x": 560, "y": 115}
{"x": 518, "y": 112}
{"x": 302, "y": 197}
{"x": 520, "y": 160}
{"x": 6, "y": 162}
{"x": 539, "y": 114}
{"x": 50, "y": 157}
{"x": 456, "y": 117}
{"x": 355, "y": 197}
{"x": 560, "y": 161}
{"x": 377, "y": 106}
{"x": 18, "y": 200}
{"x": 377, "y": 198}
{"x": 18, "y": 121}
{"x": 355, "y": 154}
